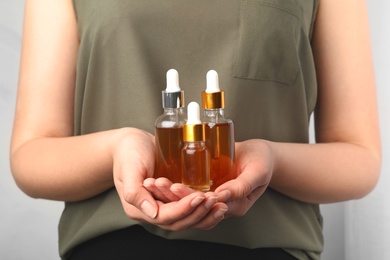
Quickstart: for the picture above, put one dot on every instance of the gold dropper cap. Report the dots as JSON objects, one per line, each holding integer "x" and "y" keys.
{"x": 213, "y": 100}
{"x": 194, "y": 130}
{"x": 213, "y": 97}
{"x": 193, "y": 133}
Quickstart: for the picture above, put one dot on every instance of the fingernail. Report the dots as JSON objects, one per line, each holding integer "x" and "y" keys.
{"x": 220, "y": 213}
{"x": 211, "y": 201}
{"x": 148, "y": 209}
{"x": 196, "y": 201}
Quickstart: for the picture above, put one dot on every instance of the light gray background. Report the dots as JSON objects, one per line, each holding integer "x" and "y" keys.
{"x": 28, "y": 228}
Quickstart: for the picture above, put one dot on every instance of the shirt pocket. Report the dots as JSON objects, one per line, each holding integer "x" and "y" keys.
{"x": 267, "y": 47}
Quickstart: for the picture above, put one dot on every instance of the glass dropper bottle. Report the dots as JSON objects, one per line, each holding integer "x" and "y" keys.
{"x": 195, "y": 156}
{"x": 219, "y": 132}
{"x": 169, "y": 130}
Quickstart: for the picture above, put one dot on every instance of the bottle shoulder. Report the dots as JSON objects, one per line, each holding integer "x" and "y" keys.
{"x": 215, "y": 116}
{"x": 171, "y": 118}
{"x": 201, "y": 145}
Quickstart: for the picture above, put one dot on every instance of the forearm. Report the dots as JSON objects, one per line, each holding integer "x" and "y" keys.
{"x": 65, "y": 168}
{"x": 324, "y": 173}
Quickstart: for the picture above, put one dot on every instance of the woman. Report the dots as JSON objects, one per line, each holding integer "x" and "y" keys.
{"x": 89, "y": 91}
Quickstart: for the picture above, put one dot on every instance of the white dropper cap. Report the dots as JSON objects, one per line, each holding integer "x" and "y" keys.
{"x": 212, "y": 81}
{"x": 172, "y": 81}
{"x": 193, "y": 114}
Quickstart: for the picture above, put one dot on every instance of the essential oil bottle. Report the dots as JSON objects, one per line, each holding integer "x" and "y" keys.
{"x": 195, "y": 155}
{"x": 169, "y": 130}
{"x": 219, "y": 133}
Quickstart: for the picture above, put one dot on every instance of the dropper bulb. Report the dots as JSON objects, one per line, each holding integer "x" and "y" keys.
{"x": 193, "y": 114}
{"x": 172, "y": 81}
{"x": 212, "y": 81}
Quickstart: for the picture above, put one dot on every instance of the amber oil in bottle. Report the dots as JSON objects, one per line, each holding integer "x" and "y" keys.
{"x": 219, "y": 133}
{"x": 195, "y": 155}
{"x": 169, "y": 130}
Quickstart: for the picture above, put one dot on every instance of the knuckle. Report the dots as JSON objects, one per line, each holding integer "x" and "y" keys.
{"x": 243, "y": 189}
{"x": 131, "y": 196}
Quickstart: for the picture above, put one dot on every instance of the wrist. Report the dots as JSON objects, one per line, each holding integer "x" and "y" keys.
{"x": 258, "y": 152}
{"x": 273, "y": 157}
{"x": 127, "y": 139}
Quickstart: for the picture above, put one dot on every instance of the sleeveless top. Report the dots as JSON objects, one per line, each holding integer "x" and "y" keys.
{"x": 262, "y": 52}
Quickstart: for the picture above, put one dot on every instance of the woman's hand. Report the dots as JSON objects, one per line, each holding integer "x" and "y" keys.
{"x": 133, "y": 162}
{"x": 255, "y": 164}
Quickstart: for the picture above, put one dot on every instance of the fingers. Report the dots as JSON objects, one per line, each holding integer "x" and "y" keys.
{"x": 164, "y": 185}
{"x": 139, "y": 197}
{"x": 160, "y": 189}
{"x": 239, "y": 196}
{"x": 214, "y": 216}
{"x": 149, "y": 184}
{"x": 187, "y": 209}
{"x": 197, "y": 210}
{"x": 168, "y": 213}
{"x": 206, "y": 212}
{"x": 181, "y": 190}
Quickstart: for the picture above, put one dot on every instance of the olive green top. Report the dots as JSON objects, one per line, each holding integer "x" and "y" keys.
{"x": 262, "y": 52}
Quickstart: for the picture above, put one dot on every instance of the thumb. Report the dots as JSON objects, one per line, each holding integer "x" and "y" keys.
{"x": 241, "y": 187}
{"x": 133, "y": 192}
{"x": 233, "y": 189}
{"x": 141, "y": 198}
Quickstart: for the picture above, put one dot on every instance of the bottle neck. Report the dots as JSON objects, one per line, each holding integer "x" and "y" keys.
{"x": 174, "y": 111}
{"x": 214, "y": 115}
{"x": 193, "y": 144}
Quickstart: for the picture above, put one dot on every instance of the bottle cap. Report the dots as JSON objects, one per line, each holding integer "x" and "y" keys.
{"x": 172, "y": 96}
{"x": 193, "y": 130}
{"x": 213, "y": 97}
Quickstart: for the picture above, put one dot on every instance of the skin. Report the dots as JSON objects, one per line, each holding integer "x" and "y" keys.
{"x": 48, "y": 162}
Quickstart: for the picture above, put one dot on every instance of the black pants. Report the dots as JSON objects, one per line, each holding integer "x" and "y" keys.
{"x": 136, "y": 243}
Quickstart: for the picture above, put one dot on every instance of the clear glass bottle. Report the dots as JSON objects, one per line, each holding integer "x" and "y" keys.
{"x": 195, "y": 155}
{"x": 219, "y": 133}
{"x": 169, "y": 130}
